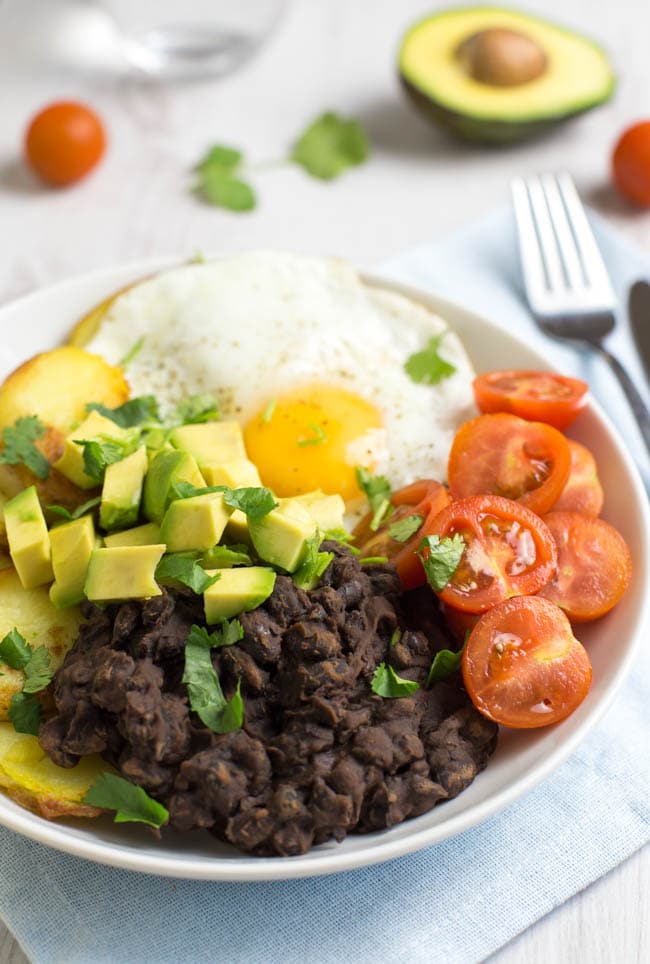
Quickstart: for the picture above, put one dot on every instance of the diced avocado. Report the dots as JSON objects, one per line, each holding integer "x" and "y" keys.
{"x": 123, "y": 572}
{"x": 326, "y": 510}
{"x": 146, "y": 535}
{"x": 211, "y": 443}
{"x": 72, "y": 545}
{"x": 28, "y": 538}
{"x": 238, "y": 473}
{"x": 493, "y": 74}
{"x": 280, "y": 537}
{"x": 194, "y": 523}
{"x": 237, "y": 591}
{"x": 237, "y": 529}
{"x": 122, "y": 491}
{"x": 167, "y": 468}
{"x": 71, "y": 463}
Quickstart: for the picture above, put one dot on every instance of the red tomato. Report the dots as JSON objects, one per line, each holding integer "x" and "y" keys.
{"x": 508, "y": 456}
{"x": 535, "y": 396}
{"x": 583, "y": 492}
{"x": 64, "y": 142}
{"x": 594, "y": 566}
{"x": 425, "y": 498}
{"x": 522, "y": 665}
{"x": 631, "y": 163}
{"x": 460, "y": 622}
{"x": 508, "y": 551}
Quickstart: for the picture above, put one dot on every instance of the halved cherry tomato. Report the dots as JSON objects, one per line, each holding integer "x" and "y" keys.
{"x": 508, "y": 456}
{"x": 460, "y": 622}
{"x": 535, "y": 396}
{"x": 426, "y": 499}
{"x": 64, "y": 142}
{"x": 594, "y": 566}
{"x": 583, "y": 492}
{"x": 508, "y": 551}
{"x": 522, "y": 665}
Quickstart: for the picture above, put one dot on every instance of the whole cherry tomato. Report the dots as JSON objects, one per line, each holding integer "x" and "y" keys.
{"x": 64, "y": 142}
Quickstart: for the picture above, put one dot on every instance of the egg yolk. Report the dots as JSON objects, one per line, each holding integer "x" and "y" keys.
{"x": 314, "y": 437}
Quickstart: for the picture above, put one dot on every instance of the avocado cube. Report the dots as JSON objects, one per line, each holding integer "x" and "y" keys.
{"x": 280, "y": 537}
{"x": 326, "y": 510}
{"x": 71, "y": 463}
{"x": 167, "y": 468}
{"x": 72, "y": 545}
{"x": 194, "y": 523}
{"x": 122, "y": 491}
{"x": 211, "y": 443}
{"x": 145, "y": 535}
{"x": 123, "y": 572}
{"x": 237, "y": 473}
{"x": 28, "y": 538}
{"x": 237, "y": 529}
{"x": 237, "y": 591}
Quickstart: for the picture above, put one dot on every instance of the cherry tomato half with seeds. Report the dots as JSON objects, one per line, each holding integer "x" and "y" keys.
{"x": 583, "y": 491}
{"x": 509, "y": 551}
{"x": 64, "y": 142}
{"x": 425, "y": 498}
{"x": 535, "y": 396}
{"x": 528, "y": 462}
{"x": 522, "y": 665}
{"x": 594, "y": 565}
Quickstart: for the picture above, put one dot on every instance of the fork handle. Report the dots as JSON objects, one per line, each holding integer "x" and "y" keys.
{"x": 637, "y": 404}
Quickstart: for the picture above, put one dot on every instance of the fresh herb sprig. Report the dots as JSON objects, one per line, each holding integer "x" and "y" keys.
{"x": 19, "y": 449}
{"x": 25, "y": 709}
{"x": 131, "y": 803}
{"x": 441, "y": 558}
{"x": 204, "y": 689}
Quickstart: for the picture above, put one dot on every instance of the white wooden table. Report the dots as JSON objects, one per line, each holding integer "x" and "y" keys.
{"x": 338, "y": 54}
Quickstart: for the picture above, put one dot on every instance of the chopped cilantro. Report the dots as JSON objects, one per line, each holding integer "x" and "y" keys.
{"x": 203, "y": 407}
{"x": 131, "y": 803}
{"x": 19, "y": 448}
{"x": 38, "y": 671}
{"x": 377, "y": 491}
{"x": 254, "y": 501}
{"x": 204, "y": 689}
{"x": 267, "y": 414}
{"x": 185, "y": 569}
{"x": 373, "y": 560}
{"x": 230, "y": 631}
{"x": 445, "y": 662}
{"x": 395, "y": 638}
{"x": 25, "y": 709}
{"x": 100, "y": 453}
{"x": 25, "y": 713}
{"x": 14, "y": 650}
{"x": 63, "y": 513}
{"x": 218, "y": 182}
{"x": 403, "y": 529}
{"x": 226, "y": 159}
{"x": 132, "y": 353}
{"x": 308, "y": 574}
{"x": 441, "y": 558}
{"x": 330, "y": 145}
{"x": 225, "y": 557}
{"x": 317, "y": 438}
{"x": 137, "y": 411}
{"x": 427, "y": 367}
{"x": 387, "y": 683}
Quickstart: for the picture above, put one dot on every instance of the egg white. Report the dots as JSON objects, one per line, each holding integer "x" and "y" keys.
{"x": 253, "y": 326}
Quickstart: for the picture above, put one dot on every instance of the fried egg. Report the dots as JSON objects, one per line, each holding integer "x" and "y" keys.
{"x": 307, "y": 357}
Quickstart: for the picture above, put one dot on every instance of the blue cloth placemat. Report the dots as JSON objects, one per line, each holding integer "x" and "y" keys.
{"x": 454, "y": 903}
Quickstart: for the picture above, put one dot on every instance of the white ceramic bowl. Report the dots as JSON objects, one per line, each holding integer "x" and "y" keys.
{"x": 42, "y": 320}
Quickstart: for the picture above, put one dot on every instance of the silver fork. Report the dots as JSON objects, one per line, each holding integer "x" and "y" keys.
{"x": 567, "y": 285}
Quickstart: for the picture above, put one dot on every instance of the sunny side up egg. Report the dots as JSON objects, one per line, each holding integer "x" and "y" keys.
{"x": 306, "y": 356}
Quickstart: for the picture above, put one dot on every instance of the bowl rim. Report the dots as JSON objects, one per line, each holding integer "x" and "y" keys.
{"x": 316, "y": 862}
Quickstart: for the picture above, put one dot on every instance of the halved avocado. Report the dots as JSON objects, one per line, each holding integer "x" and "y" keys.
{"x": 495, "y": 75}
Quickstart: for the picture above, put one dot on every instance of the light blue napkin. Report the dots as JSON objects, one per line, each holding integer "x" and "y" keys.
{"x": 455, "y": 902}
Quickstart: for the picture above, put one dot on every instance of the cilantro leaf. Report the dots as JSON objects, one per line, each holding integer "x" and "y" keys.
{"x": 14, "y": 650}
{"x": 25, "y": 713}
{"x": 63, "y": 513}
{"x": 230, "y": 631}
{"x": 308, "y": 574}
{"x": 136, "y": 411}
{"x": 218, "y": 157}
{"x": 442, "y": 558}
{"x": 204, "y": 689}
{"x": 100, "y": 453}
{"x": 426, "y": 366}
{"x": 131, "y": 803}
{"x": 254, "y": 501}
{"x": 330, "y": 145}
{"x": 377, "y": 491}
{"x": 19, "y": 448}
{"x": 219, "y": 187}
{"x": 403, "y": 529}
{"x": 38, "y": 671}
{"x": 445, "y": 662}
{"x": 225, "y": 557}
{"x": 342, "y": 536}
{"x": 185, "y": 569}
{"x": 387, "y": 683}
{"x": 203, "y": 407}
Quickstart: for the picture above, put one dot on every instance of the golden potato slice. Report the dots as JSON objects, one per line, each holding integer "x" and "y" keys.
{"x": 57, "y": 385}
{"x": 88, "y": 326}
{"x": 32, "y": 613}
{"x": 30, "y": 778}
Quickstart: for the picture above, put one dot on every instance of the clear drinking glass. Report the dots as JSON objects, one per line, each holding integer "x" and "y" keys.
{"x": 190, "y": 39}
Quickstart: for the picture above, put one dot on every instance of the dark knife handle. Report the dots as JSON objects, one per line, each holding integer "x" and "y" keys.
{"x": 637, "y": 404}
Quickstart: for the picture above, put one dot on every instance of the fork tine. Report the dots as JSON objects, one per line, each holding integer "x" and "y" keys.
{"x": 565, "y": 240}
{"x": 532, "y": 264}
{"x": 595, "y": 270}
{"x": 547, "y": 240}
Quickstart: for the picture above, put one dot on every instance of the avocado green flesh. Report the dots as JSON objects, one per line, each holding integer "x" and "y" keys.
{"x": 578, "y": 77}
{"x": 237, "y": 591}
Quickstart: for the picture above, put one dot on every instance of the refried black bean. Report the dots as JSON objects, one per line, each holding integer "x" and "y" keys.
{"x": 319, "y": 755}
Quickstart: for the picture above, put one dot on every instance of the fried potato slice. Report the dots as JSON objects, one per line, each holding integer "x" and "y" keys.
{"x": 30, "y": 778}
{"x": 57, "y": 385}
{"x": 32, "y": 613}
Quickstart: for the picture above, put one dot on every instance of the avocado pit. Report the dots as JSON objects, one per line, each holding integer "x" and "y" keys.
{"x": 500, "y": 57}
